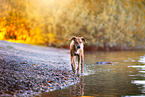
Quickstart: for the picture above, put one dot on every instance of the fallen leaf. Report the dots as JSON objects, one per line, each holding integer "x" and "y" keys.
{"x": 45, "y": 84}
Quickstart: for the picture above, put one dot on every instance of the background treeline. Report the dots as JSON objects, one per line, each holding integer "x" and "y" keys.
{"x": 104, "y": 23}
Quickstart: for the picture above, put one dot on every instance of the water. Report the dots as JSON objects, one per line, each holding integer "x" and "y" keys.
{"x": 125, "y": 77}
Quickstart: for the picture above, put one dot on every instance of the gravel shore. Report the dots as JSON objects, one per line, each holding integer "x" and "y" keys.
{"x": 28, "y": 70}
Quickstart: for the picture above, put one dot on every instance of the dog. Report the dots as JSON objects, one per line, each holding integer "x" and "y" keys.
{"x": 77, "y": 49}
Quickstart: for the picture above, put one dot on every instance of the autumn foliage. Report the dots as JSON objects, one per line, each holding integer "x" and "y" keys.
{"x": 104, "y": 23}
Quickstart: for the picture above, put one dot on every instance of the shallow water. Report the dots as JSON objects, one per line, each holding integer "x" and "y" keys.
{"x": 125, "y": 77}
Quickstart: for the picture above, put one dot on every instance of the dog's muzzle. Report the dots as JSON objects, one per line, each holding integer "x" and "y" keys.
{"x": 78, "y": 47}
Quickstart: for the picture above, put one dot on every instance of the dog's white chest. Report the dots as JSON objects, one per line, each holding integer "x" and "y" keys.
{"x": 77, "y": 52}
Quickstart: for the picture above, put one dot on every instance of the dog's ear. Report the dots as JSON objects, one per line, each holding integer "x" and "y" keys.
{"x": 83, "y": 39}
{"x": 72, "y": 38}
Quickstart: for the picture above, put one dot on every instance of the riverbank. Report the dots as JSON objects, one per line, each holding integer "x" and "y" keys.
{"x": 90, "y": 48}
{"x": 27, "y": 70}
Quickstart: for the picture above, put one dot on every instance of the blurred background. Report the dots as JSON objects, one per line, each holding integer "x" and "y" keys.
{"x": 105, "y": 24}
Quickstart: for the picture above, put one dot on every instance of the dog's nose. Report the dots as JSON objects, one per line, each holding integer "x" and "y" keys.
{"x": 78, "y": 47}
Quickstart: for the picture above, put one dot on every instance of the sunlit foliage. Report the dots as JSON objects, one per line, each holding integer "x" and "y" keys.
{"x": 104, "y": 23}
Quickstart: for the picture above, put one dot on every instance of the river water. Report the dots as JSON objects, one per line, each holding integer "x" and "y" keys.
{"x": 125, "y": 77}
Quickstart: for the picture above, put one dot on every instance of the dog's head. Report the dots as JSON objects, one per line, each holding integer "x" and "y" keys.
{"x": 77, "y": 41}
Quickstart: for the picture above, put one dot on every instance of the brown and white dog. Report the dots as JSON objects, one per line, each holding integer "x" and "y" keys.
{"x": 77, "y": 49}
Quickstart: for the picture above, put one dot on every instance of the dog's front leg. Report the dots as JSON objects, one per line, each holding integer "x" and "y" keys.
{"x": 72, "y": 65}
{"x": 79, "y": 62}
{"x": 82, "y": 64}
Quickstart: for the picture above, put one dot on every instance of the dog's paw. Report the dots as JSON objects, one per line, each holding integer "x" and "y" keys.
{"x": 82, "y": 74}
{"x": 78, "y": 75}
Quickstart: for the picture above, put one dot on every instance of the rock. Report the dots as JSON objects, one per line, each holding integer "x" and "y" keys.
{"x": 58, "y": 87}
{"x": 5, "y": 95}
{"x": 23, "y": 63}
{"x": 35, "y": 89}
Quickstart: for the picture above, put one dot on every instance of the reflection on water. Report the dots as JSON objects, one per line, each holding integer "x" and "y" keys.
{"x": 125, "y": 77}
{"x": 142, "y": 59}
{"x": 78, "y": 89}
{"x": 141, "y": 69}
